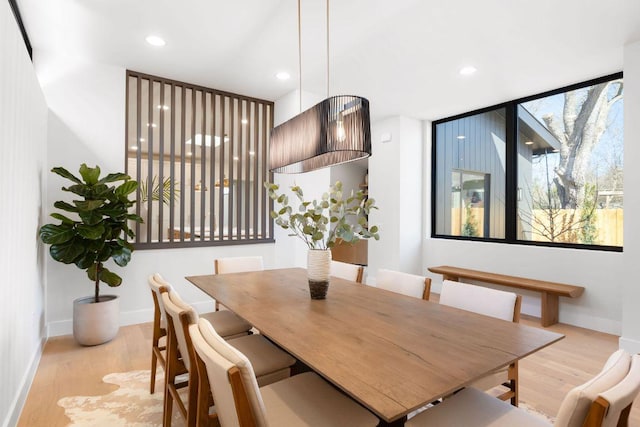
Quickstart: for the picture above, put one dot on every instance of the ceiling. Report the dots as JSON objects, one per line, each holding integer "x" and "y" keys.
{"x": 403, "y": 55}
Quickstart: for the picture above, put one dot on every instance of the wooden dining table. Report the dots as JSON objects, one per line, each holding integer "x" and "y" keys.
{"x": 391, "y": 353}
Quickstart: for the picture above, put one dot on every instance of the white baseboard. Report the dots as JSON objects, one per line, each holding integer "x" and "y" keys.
{"x": 21, "y": 397}
{"x": 65, "y": 327}
{"x": 632, "y": 346}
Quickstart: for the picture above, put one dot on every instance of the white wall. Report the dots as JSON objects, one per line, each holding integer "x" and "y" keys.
{"x": 630, "y": 281}
{"x": 396, "y": 184}
{"x": 23, "y": 124}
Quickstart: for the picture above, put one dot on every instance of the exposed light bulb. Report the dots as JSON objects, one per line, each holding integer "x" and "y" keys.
{"x": 341, "y": 134}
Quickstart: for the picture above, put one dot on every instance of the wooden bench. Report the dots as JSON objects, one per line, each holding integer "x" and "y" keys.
{"x": 550, "y": 291}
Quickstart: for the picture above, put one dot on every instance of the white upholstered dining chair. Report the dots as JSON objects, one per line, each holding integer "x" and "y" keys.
{"x": 347, "y": 271}
{"x": 272, "y": 364}
{"x": 239, "y": 264}
{"x": 302, "y": 400}
{"x": 603, "y": 401}
{"x": 404, "y": 283}
{"x": 494, "y": 303}
{"x": 227, "y": 323}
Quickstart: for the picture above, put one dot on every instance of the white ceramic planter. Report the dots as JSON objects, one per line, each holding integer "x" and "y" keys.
{"x": 96, "y": 323}
{"x": 318, "y": 270}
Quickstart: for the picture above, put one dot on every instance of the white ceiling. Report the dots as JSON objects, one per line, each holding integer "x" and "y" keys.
{"x": 403, "y": 55}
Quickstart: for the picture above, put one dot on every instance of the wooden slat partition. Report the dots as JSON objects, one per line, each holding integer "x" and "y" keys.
{"x": 196, "y": 141}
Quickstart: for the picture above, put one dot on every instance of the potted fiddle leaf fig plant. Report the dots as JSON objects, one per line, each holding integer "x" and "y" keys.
{"x": 94, "y": 230}
{"x": 319, "y": 223}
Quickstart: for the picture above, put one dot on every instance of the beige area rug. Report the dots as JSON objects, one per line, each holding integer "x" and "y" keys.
{"x": 534, "y": 411}
{"x": 132, "y": 405}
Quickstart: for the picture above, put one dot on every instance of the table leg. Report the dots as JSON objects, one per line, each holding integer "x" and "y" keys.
{"x": 397, "y": 423}
{"x": 550, "y": 307}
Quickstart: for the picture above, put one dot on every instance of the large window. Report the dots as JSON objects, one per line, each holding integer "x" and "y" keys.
{"x": 200, "y": 157}
{"x": 543, "y": 170}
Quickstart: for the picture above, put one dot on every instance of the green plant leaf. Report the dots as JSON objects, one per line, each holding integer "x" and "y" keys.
{"x": 105, "y": 253}
{"x": 317, "y": 236}
{"x": 88, "y": 205}
{"x": 91, "y": 272}
{"x": 89, "y": 175}
{"x": 65, "y": 206}
{"x": 86, "y": 261}
{"x": 121, "y": 256}
{"x": 66, "y": 174}
{"x": 113, "y": 177}
{"x": 90, "y": 217}
{"x": 110, "y": 278}
{"x": 66, "y": 252}
{"x": 79, "y": 189}
{"x": 52, "y": 234}
{"x": 126, "y": 188}
{"x": 134, "y": 217}
{"x": 91, "y": 232}
{"x": 64, "y": 219}
{"x": 94, "y": 245}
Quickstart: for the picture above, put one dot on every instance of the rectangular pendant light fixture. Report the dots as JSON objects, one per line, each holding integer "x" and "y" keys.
{"x": 337, "y": 130}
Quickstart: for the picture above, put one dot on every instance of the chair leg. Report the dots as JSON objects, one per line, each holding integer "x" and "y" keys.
{"x": 154, "y": 363}
{"x": 168, "y": 408}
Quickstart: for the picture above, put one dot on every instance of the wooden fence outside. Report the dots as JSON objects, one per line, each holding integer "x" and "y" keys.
{"x": 608, "y": 224}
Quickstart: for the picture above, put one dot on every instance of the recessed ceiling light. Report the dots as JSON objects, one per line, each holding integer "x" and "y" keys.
{"x": 236, "y": 158}
{"x": 155, "y": 41}
{"x": 468, "y": 70}
{"x": 134, "y": 147}
{"x": 141, "y": 139}
{"x": 252, "y": 153}
{"x": 163, "y": 107}
{"x": 529, "y": 143}
{"x": 151, "y": 124}
{"x": 283, "y": 75}
{"x": 189, "y": 153}
{"x": 461, "y": 137}
{"x": 244, "y": 121}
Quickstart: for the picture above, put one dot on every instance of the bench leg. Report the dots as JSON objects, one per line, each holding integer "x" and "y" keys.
{"x": 550, "y": 306}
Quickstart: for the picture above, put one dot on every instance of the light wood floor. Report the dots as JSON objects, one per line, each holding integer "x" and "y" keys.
{"x": 67, "y": 369}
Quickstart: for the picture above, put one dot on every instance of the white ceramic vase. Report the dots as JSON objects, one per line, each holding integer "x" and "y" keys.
{"x": 96, "y": 323}
{"x": 318, "y": 270}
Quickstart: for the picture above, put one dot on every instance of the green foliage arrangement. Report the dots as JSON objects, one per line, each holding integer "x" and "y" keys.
{"x": 99, "y": 231}
{"x": 320, "y": 222}
{"x": 159, "y": 192}
{"x": 469, "y": 228}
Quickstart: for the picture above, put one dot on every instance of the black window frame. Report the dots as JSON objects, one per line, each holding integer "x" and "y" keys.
{"x": 511, "y": 160}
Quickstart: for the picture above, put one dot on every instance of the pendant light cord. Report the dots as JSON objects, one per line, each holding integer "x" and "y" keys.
{"x": 300, "y": 53}
{"x": 300, "y": 56}
{"x": 328, "y": 49}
